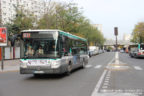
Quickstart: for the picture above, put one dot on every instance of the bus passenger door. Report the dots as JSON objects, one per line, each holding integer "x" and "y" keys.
{"x": 76, "y": 58}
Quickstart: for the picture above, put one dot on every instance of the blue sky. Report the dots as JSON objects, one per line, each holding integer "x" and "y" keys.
{"x": 123, "y": 14}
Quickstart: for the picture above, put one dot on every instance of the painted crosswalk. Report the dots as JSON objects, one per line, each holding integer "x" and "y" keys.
{"x": 98, "y": 66}
{"x": 88, "y": 66}
{"x": 139, "y": 68}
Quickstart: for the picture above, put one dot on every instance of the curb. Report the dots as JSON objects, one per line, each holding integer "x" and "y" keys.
{"x": 5, "y": 71}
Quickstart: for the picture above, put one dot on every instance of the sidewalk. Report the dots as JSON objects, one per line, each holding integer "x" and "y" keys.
{"x": 10, "y": 65}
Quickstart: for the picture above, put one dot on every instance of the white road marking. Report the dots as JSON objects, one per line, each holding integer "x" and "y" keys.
{"x": 106, "y": 81}
{"x": 88, "y": 66}
{"x": 104, "y": 87}
{"x": 105, "y": 84}
{"x": 117, "y": 58}
{"x": 95, "y": 92}
{"x": 105, "y": 78}
{"x": 98, "y": 66}
{"x": 138, "y": 68}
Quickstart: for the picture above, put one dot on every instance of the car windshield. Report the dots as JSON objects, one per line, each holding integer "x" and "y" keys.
{"x": 40, "y": 48}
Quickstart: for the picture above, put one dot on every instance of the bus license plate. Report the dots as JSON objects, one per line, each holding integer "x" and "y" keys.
{"x": 40, "y": 72}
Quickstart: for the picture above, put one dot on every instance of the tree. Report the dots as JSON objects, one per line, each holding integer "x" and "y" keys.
{"x": 22, "y": 21}
{"x": 69, "y": 18}
{"x": 138, "y": 33}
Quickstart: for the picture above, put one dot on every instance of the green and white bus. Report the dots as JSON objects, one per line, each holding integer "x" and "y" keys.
{"x": 51, "y": 52}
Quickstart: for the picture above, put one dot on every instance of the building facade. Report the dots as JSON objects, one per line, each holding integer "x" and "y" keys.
{"x": 98, "y": 26}
{"x": 8, "y": 7}
{"x": 127, "y": 37}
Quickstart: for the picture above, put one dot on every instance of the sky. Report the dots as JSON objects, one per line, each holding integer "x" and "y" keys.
{"x": 124, "y": 14}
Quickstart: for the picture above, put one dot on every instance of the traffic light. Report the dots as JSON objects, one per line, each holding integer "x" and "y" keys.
{"x": 116, "y": 31}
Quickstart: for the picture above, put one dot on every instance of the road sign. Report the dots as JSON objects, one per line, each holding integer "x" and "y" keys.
{"x": 3, "y": 36}
{"x": 3, "y": 42}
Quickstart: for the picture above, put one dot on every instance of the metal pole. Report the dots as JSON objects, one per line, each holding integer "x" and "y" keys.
{"x": 116, "y": 44}
{"x": 2, "y": 63}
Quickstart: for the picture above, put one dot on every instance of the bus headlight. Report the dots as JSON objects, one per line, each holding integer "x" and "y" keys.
{"x": 23, "y": 64}
{"x": 55, "y": 64}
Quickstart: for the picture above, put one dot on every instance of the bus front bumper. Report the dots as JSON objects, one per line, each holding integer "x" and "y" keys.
{"x": 59, "y": 70}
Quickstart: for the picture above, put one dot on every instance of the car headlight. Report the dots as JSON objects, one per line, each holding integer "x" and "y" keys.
{"x": 23, "y": 64}
{"x": 55, "y": 64}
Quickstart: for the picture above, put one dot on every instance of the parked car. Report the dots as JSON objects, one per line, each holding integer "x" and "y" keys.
{"x": 122, "y": 51}
{"x": 135, "y": 52}
{"x": 90, "y": 53}
{"x": 93, "y": 50}
{"x": 100, "y": 51}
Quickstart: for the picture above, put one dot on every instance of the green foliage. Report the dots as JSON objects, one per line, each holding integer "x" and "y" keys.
{"x": 63, "y": 16}
{"x": 138, "y": 33}
{"x": 20, "y": 22}
{"x": 68, "y": 18}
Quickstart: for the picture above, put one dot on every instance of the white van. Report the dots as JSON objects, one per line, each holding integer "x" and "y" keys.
{"x": 93, "y": 50}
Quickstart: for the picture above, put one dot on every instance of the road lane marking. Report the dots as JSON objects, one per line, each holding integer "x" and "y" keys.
{"x": 106, "y": 81}
{"x": 99, "y": 83}
{"x": 98, "y": 66}
{"x": 138, "y": 68}
{"x": 105, "y": 84}
{"x": 88, "y": 66}
{"x": 104, "y": 87}
{"x": 117, "y": 58}
{"x": 96, "y": 89}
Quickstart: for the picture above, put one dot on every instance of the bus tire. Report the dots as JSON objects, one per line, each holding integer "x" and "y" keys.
{"x": 36, "y": 75}
{"x": 69, "y": 69}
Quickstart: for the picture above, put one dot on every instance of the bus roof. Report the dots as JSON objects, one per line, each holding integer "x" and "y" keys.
{"x": 40, "y": 30}
{"x": 61, "y": 32}
{"x": 72, "y": 36}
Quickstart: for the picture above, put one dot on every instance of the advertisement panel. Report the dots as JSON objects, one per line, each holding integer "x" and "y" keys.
{"x": 3, "y": 36}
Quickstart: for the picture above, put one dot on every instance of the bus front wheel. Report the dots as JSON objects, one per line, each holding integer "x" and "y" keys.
{"x": 36, "y": 75}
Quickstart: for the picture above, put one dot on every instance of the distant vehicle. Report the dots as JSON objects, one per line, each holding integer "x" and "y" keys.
{"x": 51, "y": 52}
{"x": 93, "y": 50}
{"x": 122, "y": 51}
{"x": 108, "y": 50}
{"x": 90, "y": 53}
{"x": 137, "y": 51}
{"x": 100, "y": 51}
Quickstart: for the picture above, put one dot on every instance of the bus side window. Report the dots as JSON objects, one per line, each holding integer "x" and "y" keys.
{"x": 74, "y": 51}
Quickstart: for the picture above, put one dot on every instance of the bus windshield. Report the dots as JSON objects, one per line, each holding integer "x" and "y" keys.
{"x": 40, "y": 48}
{"x": 142, "y": 47}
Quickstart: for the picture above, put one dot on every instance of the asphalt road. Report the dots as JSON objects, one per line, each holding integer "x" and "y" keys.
{"x": 107, "y": 74}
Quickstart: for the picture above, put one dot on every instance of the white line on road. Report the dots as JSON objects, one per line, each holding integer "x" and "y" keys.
{"x": 98, "y": 66}
{"x": 95, "y": 92}
{"x": 117, "y": 58}
{"x": 88, "y": 66}
{"x": 138, "y": 68}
